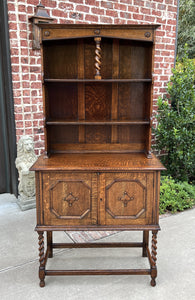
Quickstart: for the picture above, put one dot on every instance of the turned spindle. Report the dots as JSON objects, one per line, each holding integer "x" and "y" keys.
{"x": 97, "y": 58}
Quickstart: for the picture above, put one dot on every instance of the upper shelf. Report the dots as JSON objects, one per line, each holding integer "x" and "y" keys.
{"x": 96, "y": 80}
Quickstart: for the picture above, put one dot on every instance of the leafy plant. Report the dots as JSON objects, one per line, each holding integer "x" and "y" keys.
{"x": 175, "y": 196}
{"x": 175, "y": 132}
{"x": 186, "y": 28}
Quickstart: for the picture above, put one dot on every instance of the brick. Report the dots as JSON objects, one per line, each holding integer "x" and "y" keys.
{"x": 145, "y": 11}
{"x": 91, "y": 18}
{"x": 97, "y": 11}
{"x": 30, "y": 10}
{"x": 82, "y": 8}
{"x": 15, "y": 60}
{"x": 11, "y": 7}
{"x": 23, "y": 18}
{"x": 15, "y": 69}
{"x": 91, "y": 2}
{"x": 156, "y": 13}
{"x": 22, "y": 8}
{"x": 172, "y": 8}
{"x": 66, "y": 6}
{"x": 105, "y": 20}
{"x": 13, "y": 35}
{"x": 139, "y": 2}
{"x": 13, "y": 26}
{"x": 76, "y": 1}
{"x": 59, "y": 13}
{"x": 149, "y": 18}
{"x": 161, "y": 6}
{"x": 19, "y": 124}
{"x": 172, "y": 22}
{"x": 112, "y": 13}
{"x": 125, "y": 15}
{"x": 133, "y": 9}
{"x": 160, "y": 33}
{"x": 160, "y": 46}
{"x": 150, "y": 4}
{"x": 107, "y": 4}
{"x": 49, "y": 3}
{"x": 18, "y": 109}
{"x": 12, "y": 17}
{"x": 170, "y": 47}
{"x": 120, "y": 6}
{"x": 138, "y": 17}
{"x": 127, "y": 1}
{"x": 119, "y": 21}
{"x": 26, "y": 100}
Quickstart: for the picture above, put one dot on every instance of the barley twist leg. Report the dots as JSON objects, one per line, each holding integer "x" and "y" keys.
{"x": 154, "y": 258}
{"x": 41, "y": 259}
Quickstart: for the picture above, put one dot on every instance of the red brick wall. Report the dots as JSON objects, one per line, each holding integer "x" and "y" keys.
{"x": 26, "y": 63}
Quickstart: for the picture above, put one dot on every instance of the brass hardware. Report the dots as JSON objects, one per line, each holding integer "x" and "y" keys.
{"x": 97, "y": 31}
{"x": 47, "y": 33}
{"x": 147, "y": 34}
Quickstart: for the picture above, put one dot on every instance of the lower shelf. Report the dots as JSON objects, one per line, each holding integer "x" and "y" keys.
{"x": 152, "y": 271}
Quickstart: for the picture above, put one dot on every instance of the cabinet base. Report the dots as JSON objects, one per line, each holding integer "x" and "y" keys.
{"x": 152, "y": 271}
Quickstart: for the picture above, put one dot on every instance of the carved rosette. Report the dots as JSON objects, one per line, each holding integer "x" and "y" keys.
{"x": 97, "y": 58}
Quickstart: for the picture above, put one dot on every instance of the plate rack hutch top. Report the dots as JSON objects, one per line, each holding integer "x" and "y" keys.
{"x": 97, "y": 172}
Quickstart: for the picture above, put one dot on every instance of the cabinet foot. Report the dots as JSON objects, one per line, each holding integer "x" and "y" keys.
{"x": 153, "y": 282}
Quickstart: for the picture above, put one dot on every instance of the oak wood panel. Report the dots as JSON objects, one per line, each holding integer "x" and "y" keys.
{"x": 128, "y": 198}
{"x": 60, "y": 147}
{"x": 69, "y": 199}
{"x": 60, "y": 59}
{"x": 62, "y": 101}
{"x": 133, "y": 101}
{"x": 98, "y": 101}
{"x": 101, "y": 162}
{"x": 135, "y": 59}
{"x": 137, "y": 32}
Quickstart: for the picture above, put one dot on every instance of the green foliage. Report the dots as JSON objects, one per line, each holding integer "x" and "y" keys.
{"x": 175, "y": 132}
{"x": 175, "y": 196}
{"x": 186, "y": 27}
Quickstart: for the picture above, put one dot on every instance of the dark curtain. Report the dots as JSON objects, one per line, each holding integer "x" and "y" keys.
{"x": 8, "y": 172}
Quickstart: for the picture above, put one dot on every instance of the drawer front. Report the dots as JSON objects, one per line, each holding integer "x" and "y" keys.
{"x": 69, "y": 199}
{"x": 128, "y": 199}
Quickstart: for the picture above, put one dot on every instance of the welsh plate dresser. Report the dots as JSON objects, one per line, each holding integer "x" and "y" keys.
{"x": 97, "y": 172}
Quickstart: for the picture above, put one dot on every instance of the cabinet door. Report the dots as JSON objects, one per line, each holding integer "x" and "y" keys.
{"x": 127, "y": 199}
{"x": 69, "y": 199}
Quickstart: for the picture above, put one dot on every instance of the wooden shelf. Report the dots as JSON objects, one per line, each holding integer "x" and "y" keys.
{"x": 96, "y": 80}
{"x": 62, "y": 122}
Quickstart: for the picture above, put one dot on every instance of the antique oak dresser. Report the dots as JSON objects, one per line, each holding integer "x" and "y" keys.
{"x": 97, "y": 172}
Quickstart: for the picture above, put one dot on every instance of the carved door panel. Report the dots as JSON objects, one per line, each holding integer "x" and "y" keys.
{"x": 70, "y": 199}
{"x": 127, "y": 198}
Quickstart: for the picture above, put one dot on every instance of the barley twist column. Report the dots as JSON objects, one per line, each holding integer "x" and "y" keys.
{"x": 154, "y": 258}
{"x": 97, "y": 58}
{"x": 41, "y": 259}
